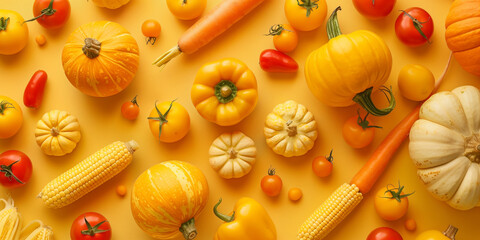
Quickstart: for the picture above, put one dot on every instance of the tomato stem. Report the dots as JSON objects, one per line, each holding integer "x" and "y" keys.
{"x": 396, "y": 192}
{"x": 333, "y": 27}
{"x": 276, "y": 29}
{"x": 188, "y": 229}
{"x": 223, "y": 217}
{"x": 364, "y": 123}
{"x": 134, "y": 101}
{"x": 309, "y": 5}
{"x": 91, "y": 231}
{"x": 4, "y": 23}
{"x": 4, "y": 105}
{"x": 225, "y": 91}
{"x": 7, "y": 170}
{"x": 418, "y": 25}
{"x": 46, "y": 11}
{"x": 330, "y": 157}
{"x": 150, "y": 40}
{"x": 373, "y": 2}
{"x": 161, "y": 117}
{"x": 364, "y": 99}
{"x": 271, "y": 171}
{"x": 184, "y": 2}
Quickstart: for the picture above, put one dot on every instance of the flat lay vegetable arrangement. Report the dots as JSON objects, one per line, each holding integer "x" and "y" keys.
{"x": 307, "y": 120}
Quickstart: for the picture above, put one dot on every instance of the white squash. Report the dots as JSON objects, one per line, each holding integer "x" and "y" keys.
{"x": 445, "y": 146}
{"x": 232, "y": 155}
{"x": 57, "y": 133}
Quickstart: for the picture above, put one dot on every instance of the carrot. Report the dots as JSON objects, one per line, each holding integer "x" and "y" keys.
{"x": 207, "y": 28}
{"x": 375, "y": 166}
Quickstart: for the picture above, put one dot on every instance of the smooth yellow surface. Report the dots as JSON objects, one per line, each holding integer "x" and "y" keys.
{"x": 101, "y": 121}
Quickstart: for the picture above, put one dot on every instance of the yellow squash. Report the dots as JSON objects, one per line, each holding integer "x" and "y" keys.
{"x": 225, "y": 91}
{"x": 167, "y": 198}
{"x": 57, "y": 133}
{"x": 249, "y": 221}
{"x": 347, "y": 68}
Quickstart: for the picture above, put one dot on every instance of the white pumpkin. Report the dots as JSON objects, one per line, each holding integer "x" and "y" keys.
{"x": 232, "y": 155}
{"x": 57, "y": 133}
{"x": 445, "y": 146}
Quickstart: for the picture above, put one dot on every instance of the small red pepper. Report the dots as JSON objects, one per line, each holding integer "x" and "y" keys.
{"x": 276, "y": 61}
{"x": 34, "y": 91}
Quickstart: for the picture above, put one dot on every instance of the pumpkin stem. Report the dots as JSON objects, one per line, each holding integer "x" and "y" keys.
{"x": 450, "y": 232}
{"x": 291, "y": 130}
{"x": 364, "y": 99}
{"x": 46, "y": 11}
{"x": 225, "y": 91}
{"x": 161, "y": 117}
{"x": 4, "y": 105}
{"x": 54, "y": 131}
{"x": 364, "y": 123}
{"x": 188, "y": 229}
{"x": 276, "y": 30}
{"x": 92, "y": 47}
{"x": 8, "y": 173}
{"x": 309, "y": 5}
{"x": 223, "y": 217}
{"x": 4, "y": 23}
{"x": 233, "y": 154}
{"x": 333, "y": 28}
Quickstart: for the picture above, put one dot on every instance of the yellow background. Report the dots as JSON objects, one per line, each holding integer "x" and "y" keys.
{"x": 102, "y": 123}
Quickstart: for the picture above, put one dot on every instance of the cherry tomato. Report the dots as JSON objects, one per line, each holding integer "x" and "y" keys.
{"x": 91, "y": 226}
{"x": 415, "y": 82}
{"x": 322, "y": 166}
{"x": 15, "y": 169}
{"x": 294, "y": 194}
{"x": 40, "y": 40}
{"x": 121, "y": 190}
{"x": 130, "y": 109}
{"x": 271, "y": 184}
{"x": 151, "y": 30}
{"x": 358, "y": 132}
{"x": 169, "y": 121}
{"x": 13, "y": 33}
{"x": 33, "y": 95}
{"x": 391, "y": 203}
{"x": 414, "y": 27}
{"x": 285, "y": 38}
{"x": 276, "y": 61}
{"x": 374, "y": 9}
{"x": 11, "y": 117}
{"x": 186, "y": 9}
{"x": 411, "y": 224}
{"x": 51, "y": 14}
{"x": 305, "y": 15}
{"x": 384, "y": 233}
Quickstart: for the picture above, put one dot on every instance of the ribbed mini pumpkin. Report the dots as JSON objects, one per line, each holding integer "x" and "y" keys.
{"x": 100, "y": 58}
{"x": 167, "y": 198}
{"x": 57, "y": 133}
{"x": 110, "y": 4}
{"x": 463, "y": 33}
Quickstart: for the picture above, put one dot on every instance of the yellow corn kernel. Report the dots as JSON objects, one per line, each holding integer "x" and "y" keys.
{"x": 36, "y": 230}
{"x": 330, "y": 213}
{"x": 88, "y": 174}
{"x": 10, "y": 221}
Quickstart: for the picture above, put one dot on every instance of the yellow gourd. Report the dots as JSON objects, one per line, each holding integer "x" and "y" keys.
{"x": 57, "y": 133}
{"x": 111, "y": 4}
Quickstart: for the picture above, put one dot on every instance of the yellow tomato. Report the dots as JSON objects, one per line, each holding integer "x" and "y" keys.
{"x": 11, "y": 117}
{"x": 305, "y": 15}
{"x": 13, "y": 32}
{"x": 415, "y": 82}
{"x": 432, "y": 235}
{"x": 391, "y": 203}
{"x": 169, "y": 122}
{"x": 285, "y": 38}
{"x": 186, "y": 9}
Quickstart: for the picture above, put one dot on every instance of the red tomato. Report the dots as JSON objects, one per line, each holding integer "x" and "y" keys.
{"x": 357, "y": 132}
{"x": 384, "y": 233}
{"x": 322, "y": 166}
{"x": 15, "y": 169}
{"x": 414, "y": 27}
{"x": 276, "y": 61}
{"x": 91, "y": 226}
{"x": 130, "y": 109}
{"x": 33, "y": 95}
{"x": 374, "y": 9}
{"x": 271, "y": 184}
{"x": 51, "y": 13}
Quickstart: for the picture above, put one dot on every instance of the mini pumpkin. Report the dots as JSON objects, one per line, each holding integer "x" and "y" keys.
{"x": 57, "y": 133}
{"x": 290, "y": 130}
{"x": 110, "y": 4}
{"x": 232, "y": 155}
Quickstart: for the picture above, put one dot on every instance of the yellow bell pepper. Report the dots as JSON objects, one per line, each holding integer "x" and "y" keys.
{"x": 249, "y": 221}
{"x": 225, "y": 91}
{"x": 448, "y": 234}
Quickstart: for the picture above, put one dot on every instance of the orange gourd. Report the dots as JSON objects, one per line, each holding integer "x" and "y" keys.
{"x": 463, "y": 33}
{"x": 100, "y": 58}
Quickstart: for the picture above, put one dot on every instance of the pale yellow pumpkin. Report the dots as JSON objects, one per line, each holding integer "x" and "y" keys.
{"x": 100, "y": 58}
{"x": 167, "y": 198}
{"x": 290, "y": 130}
{"x": 57, "y": 133}
{"x": 111, "y": 4}
{"x": 232, "y": 155}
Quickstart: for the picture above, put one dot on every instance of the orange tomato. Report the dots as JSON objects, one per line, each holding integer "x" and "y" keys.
{"x": 271, "y": 184}
{"x": 358, "y": 132}
{"x": 285, "y": 38}
{"x": 322, "y": 166}
{"x": 151, "y": 30}
{"x": 40, "y": 39}
{"x": 294, "y": 194}
{"x": 130, "y": 109}
{"x": 186, "y": 9}
{"x": 391, "y": 203}
{"x": 169, "y": 121}
{"x": 305, "y": 15}
{"x": 11, "y": 117}
{"x": 411, "y": 224}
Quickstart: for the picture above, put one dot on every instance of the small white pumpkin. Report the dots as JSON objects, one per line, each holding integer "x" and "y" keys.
{"x": 445, "y": 146}
{"x": 57, "y": 133}
{"x": 290, "y": 130}
{"x": 232, "y": 155}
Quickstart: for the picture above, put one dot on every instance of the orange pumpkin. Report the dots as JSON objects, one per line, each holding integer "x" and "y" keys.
{"x": 167, "y": 198}
{"x": 100, "y": 58}
{"x": 463, "y": 33}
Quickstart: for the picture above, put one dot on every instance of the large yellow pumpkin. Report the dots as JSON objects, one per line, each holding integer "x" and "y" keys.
{"x": 463, "y": 33}
{"x": 100, "y": 58}
{"x": 347, "y": 68}
{"x": 167, "y": 198}
{"x": 111, "y": 4}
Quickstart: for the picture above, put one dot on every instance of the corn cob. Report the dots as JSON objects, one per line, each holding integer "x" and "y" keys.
{"x": 330, "y": 213}
{"x": 10, "y": 221}
{"x": 88, "y": 174}
{"x": 36, "y": 230}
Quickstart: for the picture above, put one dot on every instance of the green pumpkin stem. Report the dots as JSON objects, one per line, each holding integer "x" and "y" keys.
{"x": 4, "y": 23}
{"x": 161, "y": 117}
{"x": 363, "y": 122}
{"x": 225, "y": 91}
{"x": 333, "y": 28}
{"x": 188, "y": 229}
{"x": 46, "y": 11}
{"x": 364, "y": 99}
{"x": 223, "y": 217}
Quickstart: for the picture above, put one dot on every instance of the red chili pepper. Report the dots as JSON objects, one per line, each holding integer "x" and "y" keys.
{"x": 276, "y": 61}
{"x": 34, "y": 91}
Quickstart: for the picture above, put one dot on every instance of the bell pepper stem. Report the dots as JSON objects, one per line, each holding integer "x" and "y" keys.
{"x": 188, "y": 229}
{"x": 364, "y": 99}
{"x": 333, "y": 28}
{"x": 222, "y": 216}
{"x": 225, "y": 91}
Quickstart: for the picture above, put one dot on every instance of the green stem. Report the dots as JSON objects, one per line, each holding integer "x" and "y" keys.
{"x": 333, "y": 28}
{"x": 46, "y": 11}
{"x": 364, "y": 99}
{"x": 271, "y": 171}
{"x": 188, "y": 229}
{"x": 223, "y": 217}
{"x": 309, "y": 5}
{"x": 396, "y": 192}
{"x": 134, "y": 100}
{"x": 364, "y": 123}
{"x": 4, "y": 105}
{"x": 7, "y": 170}
{"x": 225, "y": 91}
{"x": 161, "y": 117}
{"x": 91, "y": 231}
{"x": 276, "y": 30}
{"x": 418, "y": 25}
{"x": 330, "y": 157}
{"x": 4, "y": 23}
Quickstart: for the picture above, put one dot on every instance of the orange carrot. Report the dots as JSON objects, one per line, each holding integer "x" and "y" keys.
{"x": 214, "y": 23}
